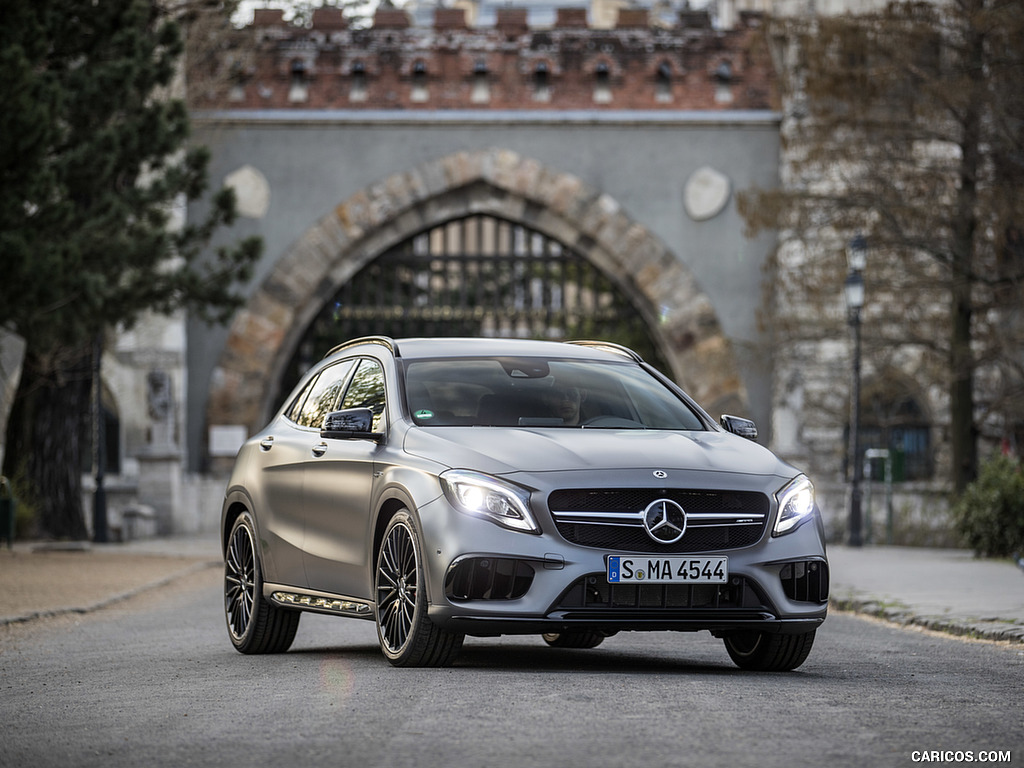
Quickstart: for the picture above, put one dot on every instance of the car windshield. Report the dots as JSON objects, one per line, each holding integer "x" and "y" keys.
{"x": 538, "y": 392}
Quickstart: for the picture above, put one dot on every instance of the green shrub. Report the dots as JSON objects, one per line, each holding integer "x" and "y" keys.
{"x": 25, "y": 503}
{"x": 990, "y": 512}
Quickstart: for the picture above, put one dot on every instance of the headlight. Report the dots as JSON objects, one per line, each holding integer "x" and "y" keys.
{"x": 490, "y": 498}
{"x": 796, "y": 504}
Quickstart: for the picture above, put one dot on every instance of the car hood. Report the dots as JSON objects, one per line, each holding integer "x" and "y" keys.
{"x": 506, "y": 450}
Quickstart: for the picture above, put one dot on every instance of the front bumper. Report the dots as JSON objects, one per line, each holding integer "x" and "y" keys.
{"x": 717, "y": 624}
{"x": 527, "y": 584}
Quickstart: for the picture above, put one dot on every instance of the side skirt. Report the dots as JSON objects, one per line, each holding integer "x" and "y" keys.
{"x": 319, "y": 602}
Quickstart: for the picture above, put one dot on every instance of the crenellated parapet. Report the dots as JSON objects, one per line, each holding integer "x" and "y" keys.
{"x": 638, "y": 64}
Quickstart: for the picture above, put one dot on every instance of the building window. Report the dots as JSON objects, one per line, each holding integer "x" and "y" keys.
{"x": 237, "y": 88}
{"x": 541, "y": 82}
{"x": 894, "y": 420}
{"x": 723, "y": 83}
{"x": 357, "y": 90}
{"x": 420, "y": 92}
{"x": 299, "y": 90}
{"x": 602, "y": 84}
{"x": 663, "y": 84}
{"x": 481, "y": 93}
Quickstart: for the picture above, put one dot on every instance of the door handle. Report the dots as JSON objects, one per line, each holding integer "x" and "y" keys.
{"x": 320, "y": 449}
{"x": 267, "y": 443}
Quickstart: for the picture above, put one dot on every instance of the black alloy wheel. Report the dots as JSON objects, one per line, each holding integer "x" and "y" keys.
{"x": 764, "y": 652}
{"x": 408, "y": 638}
{"x": 254, "y": 624}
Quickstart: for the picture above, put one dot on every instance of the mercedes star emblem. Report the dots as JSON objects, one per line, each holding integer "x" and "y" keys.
{"x": 665, "y": 521}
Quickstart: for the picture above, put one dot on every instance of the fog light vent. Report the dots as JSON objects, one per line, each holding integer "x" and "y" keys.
{"x": 805, "y": 581}
{"x": 488, "y": 578}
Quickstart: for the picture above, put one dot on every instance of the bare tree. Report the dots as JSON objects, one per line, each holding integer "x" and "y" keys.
{"x": 907, "y": 125}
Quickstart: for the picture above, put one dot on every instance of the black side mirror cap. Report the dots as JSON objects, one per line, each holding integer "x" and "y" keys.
{"x": 739, "y": 426}
{"x": 350, "y": 424}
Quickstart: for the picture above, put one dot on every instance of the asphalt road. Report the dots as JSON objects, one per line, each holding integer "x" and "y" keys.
{"x": 153, "y": 681}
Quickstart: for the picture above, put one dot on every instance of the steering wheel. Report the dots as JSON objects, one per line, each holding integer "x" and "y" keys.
{"x": 610, "y": 421}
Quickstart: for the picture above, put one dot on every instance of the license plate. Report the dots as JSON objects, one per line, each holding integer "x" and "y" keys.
{"x": 631, "y": 569}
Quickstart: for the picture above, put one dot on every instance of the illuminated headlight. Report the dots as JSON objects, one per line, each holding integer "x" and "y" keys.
{"x": 490, "y": 498}
{"x": 796, "y": 503}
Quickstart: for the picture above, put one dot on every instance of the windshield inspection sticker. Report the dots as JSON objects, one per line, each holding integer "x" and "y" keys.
{"x": 424, "y": 414}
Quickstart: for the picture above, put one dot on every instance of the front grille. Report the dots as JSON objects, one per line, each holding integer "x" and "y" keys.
{"x": 488, "y": 578}
{"x": 593, "y": 592}
{"x": 613, "y": 518}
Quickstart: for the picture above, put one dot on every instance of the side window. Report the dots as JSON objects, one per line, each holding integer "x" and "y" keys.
{"x": 367, "y": 391}
{"x": 323, "y": 395}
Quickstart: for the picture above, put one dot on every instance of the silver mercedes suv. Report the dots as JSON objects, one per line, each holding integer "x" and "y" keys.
{"x": 452, "y": 487}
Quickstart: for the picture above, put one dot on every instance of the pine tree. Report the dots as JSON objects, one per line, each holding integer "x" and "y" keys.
{"x": 93, "y": 161}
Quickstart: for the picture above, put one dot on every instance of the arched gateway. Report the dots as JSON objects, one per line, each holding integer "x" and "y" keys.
{"x": 491, "y": 186}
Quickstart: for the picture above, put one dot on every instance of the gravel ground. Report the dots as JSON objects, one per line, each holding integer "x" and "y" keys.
{"x": 41, "y": 583}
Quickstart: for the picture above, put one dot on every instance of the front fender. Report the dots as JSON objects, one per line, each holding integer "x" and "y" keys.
{"x": 401, "y": 488}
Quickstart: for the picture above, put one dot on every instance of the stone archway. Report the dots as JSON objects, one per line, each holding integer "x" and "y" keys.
{"x": 499, "y": 182}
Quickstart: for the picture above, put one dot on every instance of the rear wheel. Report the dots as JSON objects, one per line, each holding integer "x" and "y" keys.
{"x": 254, "y": 624}
{"x": 584, "y": 639}
{"x": 408, "y": 638}
{"x": 764, "y": 652}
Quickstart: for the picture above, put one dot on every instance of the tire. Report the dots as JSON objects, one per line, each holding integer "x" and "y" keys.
{"x": 584, "y": 639}
{"x": 407, "y": 636}
{"x": 765, "y": 652}
{"x": 254, "y": 624}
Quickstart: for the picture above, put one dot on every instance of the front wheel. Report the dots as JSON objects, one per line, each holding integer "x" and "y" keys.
{"x": 254, "y": 624}
{"x": 765, "y": 652}
{"x": 408, "y": 638}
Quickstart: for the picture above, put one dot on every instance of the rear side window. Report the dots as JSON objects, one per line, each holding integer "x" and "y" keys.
{"x": 323, "y": 395}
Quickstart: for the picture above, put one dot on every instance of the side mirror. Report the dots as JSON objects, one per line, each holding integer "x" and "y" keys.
{"x": 350, "y": 424}
{"x": 742, "y": 427}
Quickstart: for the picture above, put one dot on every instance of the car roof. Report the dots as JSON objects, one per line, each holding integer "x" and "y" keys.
{"x": 420, "y": 348}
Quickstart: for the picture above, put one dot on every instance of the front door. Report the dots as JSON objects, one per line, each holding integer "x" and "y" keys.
{"x": 285, "y": 451}
{"x": 337, "y": 491}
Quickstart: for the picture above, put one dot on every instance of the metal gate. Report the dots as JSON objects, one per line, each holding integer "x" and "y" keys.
{"x": 477, "y": 276}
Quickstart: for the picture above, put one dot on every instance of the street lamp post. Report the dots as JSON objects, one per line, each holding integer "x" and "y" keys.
{"x": 853, "y": 287}
{"x": 99, "y": 499}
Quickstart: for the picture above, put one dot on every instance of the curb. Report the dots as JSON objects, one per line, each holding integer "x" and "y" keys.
{"x": 108, "y": 601}
{"x": 995, "y": 630}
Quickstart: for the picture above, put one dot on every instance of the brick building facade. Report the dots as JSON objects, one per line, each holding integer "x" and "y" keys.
{"x": 450, "y": 65}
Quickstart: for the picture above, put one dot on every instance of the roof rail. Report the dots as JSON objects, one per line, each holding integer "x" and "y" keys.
{"x": 608, "y": 346}
{"x": 384, "y": 341}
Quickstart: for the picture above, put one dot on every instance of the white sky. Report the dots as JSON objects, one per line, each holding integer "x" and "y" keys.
{"x": 245, "y": 8}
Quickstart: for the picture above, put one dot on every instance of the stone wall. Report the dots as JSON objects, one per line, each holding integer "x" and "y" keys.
{"x": 264, "y": 334}
{"x": 647, "y": 197}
